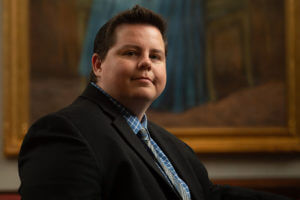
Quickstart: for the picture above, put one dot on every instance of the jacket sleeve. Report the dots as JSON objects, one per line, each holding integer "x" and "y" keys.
{"x": 55, "y": 162}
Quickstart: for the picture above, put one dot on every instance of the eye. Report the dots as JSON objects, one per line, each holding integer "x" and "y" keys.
{"x": 130, "y": 53}
{"x": 155, "y": 57}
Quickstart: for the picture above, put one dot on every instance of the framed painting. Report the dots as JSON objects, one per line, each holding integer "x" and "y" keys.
{"x": 235, "y": 94}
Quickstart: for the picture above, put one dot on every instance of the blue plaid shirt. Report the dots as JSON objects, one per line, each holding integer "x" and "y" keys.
{"x": 136, "y": 126}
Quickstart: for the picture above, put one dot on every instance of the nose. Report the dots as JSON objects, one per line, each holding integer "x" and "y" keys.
{"x": 145, "y": 62}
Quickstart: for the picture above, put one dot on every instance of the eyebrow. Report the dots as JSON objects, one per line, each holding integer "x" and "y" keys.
{"x": 139, "y": 48}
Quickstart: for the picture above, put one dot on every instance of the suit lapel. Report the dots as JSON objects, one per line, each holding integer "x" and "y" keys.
{"x": 123, "y": 128}
{"x": 177, "y": 159}
{"x": 136, "y": 144}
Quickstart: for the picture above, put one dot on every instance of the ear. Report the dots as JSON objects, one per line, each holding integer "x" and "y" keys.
{"x": 96, "y": 64}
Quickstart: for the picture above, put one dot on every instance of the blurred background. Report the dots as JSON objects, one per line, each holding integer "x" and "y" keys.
{"x": 226, "y": 68}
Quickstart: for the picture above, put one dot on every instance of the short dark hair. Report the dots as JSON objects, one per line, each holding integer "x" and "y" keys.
{"x": 105, "y": 37}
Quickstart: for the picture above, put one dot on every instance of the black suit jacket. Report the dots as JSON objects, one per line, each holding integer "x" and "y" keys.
{"x": 88, "y": 151}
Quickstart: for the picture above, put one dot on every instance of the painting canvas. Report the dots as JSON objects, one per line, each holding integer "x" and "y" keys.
{"x": 233, "y": 73}
{"x": 226, "y": 60}
{"x": 244, "y": 68}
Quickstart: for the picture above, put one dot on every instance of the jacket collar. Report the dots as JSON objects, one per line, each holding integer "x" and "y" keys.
{"x": 175, "y": 156}
{"x": 93, "y": 94}
{"x": 118, "y": 121}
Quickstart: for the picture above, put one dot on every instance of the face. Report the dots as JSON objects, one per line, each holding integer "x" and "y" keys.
{"x": 134, "y": 69}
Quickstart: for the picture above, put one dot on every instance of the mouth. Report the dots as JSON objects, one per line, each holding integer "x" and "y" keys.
{"x": 143, "y": 78}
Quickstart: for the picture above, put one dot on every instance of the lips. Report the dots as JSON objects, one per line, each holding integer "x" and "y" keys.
{"x": 143, "y": 78}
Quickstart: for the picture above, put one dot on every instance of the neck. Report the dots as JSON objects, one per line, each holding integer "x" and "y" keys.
{"x": 137, "y": 108}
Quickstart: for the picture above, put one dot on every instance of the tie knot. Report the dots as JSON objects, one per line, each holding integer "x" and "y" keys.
{"x": 143, "y": 134}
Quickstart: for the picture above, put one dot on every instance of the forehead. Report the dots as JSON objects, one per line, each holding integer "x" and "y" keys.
{"x": 139, "y": 34}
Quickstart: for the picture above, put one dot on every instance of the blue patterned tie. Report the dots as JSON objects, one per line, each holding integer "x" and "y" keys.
{"x": 165, "y": 165}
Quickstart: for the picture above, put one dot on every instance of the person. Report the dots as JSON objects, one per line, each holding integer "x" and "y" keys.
{"x": 102, "y": 146}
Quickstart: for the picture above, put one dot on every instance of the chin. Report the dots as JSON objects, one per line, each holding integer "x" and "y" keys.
{"x": 145, "y": 96}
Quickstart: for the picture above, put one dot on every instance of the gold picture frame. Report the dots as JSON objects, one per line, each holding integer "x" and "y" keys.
{"x": 15, "y": 74}
{"x": 203, "y": 140}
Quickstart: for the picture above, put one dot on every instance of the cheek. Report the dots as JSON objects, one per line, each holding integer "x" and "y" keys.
{"x": 164, "y": 83}
{"x": 123, "y": 69}
{"x": 116, "y": 71}
{"x": 162, "y": 77}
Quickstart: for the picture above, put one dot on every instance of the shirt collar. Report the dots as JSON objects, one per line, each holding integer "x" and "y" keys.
{"x": 131, "y": 119}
